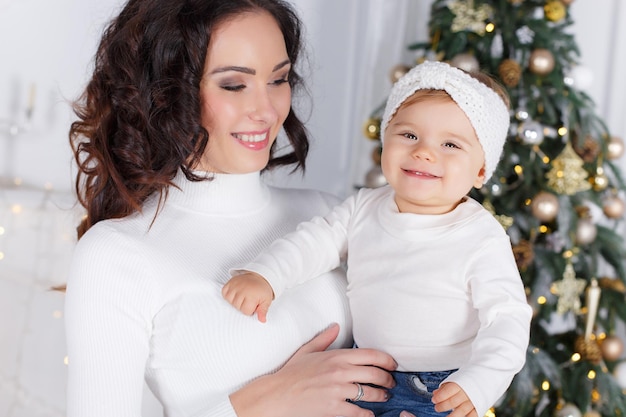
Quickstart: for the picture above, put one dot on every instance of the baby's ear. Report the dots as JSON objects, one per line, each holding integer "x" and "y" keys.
{"x": 480, "y": 178}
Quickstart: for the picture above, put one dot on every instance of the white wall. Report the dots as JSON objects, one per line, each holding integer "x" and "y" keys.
{"x": 601, "y": 35}
{"x": 49, "y": 44}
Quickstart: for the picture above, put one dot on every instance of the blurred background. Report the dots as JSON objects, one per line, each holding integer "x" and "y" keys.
{"x": 46, "y": 51}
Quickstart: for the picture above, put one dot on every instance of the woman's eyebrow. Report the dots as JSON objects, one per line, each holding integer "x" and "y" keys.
{"x": 247, "y": 70}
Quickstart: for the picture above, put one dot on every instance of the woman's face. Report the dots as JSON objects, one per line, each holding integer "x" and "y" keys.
{"x": 244, "y": 93}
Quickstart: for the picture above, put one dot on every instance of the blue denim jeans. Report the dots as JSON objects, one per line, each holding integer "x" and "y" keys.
{"x": 412, "y": 393}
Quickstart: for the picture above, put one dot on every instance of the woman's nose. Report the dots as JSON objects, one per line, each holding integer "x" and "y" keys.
{"x": 263, "y": 108}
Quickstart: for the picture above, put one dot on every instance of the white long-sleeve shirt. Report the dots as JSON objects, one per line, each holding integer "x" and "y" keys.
{"x": 437, "y": 292}
{"x": 145, "y": 301}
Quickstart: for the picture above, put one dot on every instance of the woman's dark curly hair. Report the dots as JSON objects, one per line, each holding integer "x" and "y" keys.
{"x": 139, "y": 117}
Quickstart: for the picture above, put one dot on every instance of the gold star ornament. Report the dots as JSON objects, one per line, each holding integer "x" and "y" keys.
{"x": 569, "y": 290}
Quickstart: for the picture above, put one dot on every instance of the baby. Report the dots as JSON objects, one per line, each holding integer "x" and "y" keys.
{"x": 431, "y": 275}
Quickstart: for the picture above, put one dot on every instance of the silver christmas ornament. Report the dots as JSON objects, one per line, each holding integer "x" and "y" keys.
{"x": 467, "y": 62}
{"x": 375, "y": 178}
{"x": 531, "y": 132}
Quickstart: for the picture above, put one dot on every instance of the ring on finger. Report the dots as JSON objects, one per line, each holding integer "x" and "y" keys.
{"x": 359, "y": 394}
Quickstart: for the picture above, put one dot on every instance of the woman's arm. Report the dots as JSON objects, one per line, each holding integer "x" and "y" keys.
{"x": 107, "y": 329}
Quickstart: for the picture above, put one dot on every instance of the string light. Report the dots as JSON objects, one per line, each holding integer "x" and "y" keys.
{"x": 36, "y": 243}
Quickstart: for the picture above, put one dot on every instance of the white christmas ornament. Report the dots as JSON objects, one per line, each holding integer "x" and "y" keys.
{"x": 497, "y": 46}
{"x": 525, "y": 35}
{"x": 568, "y": 410}
{"x": 620, "y": 374}
{"x": 580, "y": 77}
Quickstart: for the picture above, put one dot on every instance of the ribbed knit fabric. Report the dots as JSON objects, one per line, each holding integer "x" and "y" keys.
{"x": 436, "y": 292}
{"x": 145, "y": 301}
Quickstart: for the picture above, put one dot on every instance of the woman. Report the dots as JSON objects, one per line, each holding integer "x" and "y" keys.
{"x": 179, "y": 118}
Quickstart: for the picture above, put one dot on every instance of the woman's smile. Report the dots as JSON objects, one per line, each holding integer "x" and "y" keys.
{"x": 253, "y": 141}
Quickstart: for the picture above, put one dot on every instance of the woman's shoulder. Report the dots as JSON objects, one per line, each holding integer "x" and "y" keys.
{"x": 110, "y": 238}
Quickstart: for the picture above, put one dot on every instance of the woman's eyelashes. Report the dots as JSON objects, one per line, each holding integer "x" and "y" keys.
{"x": 236, "y": 86}
{"x": 281, "y": 80}
{"x": 230, "y": 87}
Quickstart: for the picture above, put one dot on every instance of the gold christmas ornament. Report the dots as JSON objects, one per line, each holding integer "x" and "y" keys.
{"x": 592, "y": 413}
{"x": 468, "y": 18}
{"x": 588, "y": 150}
{"x": 568, "y": 290}
{"x": 510, "y": 72}
{"x": 541, "y": 61}
{"x": 545, "y": 206}
{"x": 612, "y": 348}
{"x": 371, "y": 128}
{"x": 613, "y": 207}
{"x": 397, "y": 72}
{"x": 600, "y": 181}
{"x": 615, "y": 148}
{"x": 588, "y": 349}
{"x": 524, "y": 254}
{"x": 466, "y": 62}
{"x": 567, "y": 175}
{"x": 504, "y": 220}
{"x": 613, "y": 284}
{"x": 555, "y": 10}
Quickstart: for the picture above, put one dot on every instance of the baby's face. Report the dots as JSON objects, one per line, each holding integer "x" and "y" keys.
{"x": 431, "y": 157}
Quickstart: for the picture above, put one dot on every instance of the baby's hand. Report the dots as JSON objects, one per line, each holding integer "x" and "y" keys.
{"x": 451, "y": 397}
{"x": 249, "y": 293}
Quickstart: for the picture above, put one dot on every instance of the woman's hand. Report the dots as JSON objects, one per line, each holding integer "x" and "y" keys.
{"x": 316, "y": 382}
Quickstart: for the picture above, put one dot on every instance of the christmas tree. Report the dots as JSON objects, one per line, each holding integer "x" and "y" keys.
{"x": 557, "y": 192}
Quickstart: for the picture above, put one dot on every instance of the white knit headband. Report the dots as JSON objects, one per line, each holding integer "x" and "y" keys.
{"x": 482, "y": 106}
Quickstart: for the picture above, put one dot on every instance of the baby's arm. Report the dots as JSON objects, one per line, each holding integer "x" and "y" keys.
{"x": 250, "y": 293}
{"x": 450, "y": 396}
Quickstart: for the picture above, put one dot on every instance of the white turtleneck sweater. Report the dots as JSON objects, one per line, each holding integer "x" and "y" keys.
{"x": 436, "y": 292}
{"x": 144, "y": 300}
